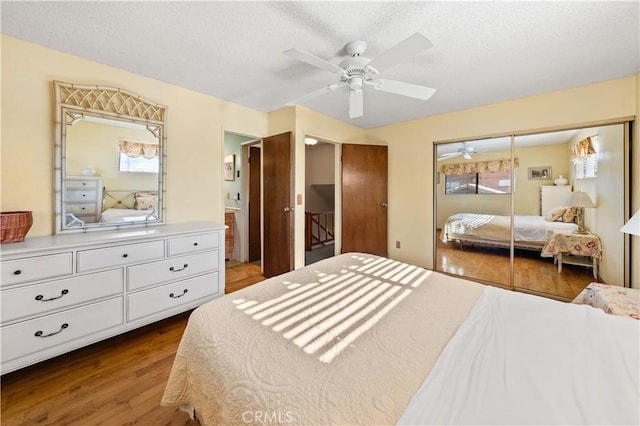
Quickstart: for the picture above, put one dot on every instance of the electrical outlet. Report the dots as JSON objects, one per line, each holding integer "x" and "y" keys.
{"x": 397, "y": 244}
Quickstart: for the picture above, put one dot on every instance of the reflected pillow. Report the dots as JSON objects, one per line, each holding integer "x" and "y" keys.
{"x": 556, "y": 213}
{"x": 569, "y": 215}
{"x": 145, "y": 201}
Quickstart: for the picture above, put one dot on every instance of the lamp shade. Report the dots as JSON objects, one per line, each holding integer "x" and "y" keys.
{"x": 581, "y": 199}
{"x": 633, "y": 226}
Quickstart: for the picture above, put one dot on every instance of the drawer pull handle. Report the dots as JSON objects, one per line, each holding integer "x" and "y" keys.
{"x": 39, "y": 333}
{"x": 17, "y": 272}
{"x": 125, "y": 255}
{"x": 180, "y": 295}
{"x": 172, "y": 269}
{"x": 42, "y": 299}
{"x": 195, "y": 244}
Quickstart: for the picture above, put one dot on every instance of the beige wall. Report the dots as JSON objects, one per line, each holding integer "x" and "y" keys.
{"x": 411, "y": 151}
{"x": 195, "y": 124}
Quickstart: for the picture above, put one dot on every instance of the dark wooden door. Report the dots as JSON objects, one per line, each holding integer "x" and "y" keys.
{"x": 277, "y": 256}
{"x": 364, "y": 199}
{"x": 255, "y": 206}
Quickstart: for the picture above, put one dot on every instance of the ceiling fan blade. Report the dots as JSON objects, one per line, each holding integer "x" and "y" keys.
{"x": 356, "y": 103}
{"x": 404, "y": 89}
{"x": 449, "y": 155}
{"x": 329, "y": 88}
{"x": 312, "y": 60}
{"x": 400, "y": 52}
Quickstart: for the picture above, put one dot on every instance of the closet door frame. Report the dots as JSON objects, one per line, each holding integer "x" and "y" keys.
{"x": 625, "y": 121}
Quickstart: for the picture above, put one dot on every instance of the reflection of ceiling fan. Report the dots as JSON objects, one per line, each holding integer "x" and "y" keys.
{"x": 357, "y": 71}
{"x": 465, "y": 151}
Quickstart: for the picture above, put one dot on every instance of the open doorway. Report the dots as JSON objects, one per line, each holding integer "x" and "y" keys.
{"x": 320, "y": 199}
{"x": 235, "y": 209}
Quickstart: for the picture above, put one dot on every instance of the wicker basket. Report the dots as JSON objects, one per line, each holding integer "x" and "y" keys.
{"x": 14, "y": 226}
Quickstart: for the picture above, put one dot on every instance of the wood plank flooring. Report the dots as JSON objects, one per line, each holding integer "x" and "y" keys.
{"x": 532, "y": 273}
{"x": 119, "y": 381}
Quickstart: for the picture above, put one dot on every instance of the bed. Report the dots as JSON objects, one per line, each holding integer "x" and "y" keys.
{"x": 129, "y": 206}
{"x": 529, "y": 232}
{"x": 362, "y": 339}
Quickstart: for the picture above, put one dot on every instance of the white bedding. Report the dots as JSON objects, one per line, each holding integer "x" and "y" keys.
{"x": 124, "y": 215}
{"x": 497, "y": 228}
{"x": 521, "y": 359}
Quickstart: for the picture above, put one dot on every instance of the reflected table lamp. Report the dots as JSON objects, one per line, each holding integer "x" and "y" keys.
{"x": 633, "y": 226}
{"x": 580, "y": 201}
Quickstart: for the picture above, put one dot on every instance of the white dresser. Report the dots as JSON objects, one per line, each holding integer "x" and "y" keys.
{"x": 63, "y": 292}
{"x": 82, "y": 197}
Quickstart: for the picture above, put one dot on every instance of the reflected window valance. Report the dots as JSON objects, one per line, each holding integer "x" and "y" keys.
{"x": 138, "y": 149}
{"x": 582, "y": 150}
{"x": 479, "y": 167}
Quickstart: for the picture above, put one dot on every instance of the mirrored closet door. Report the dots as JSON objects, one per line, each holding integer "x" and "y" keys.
{"x": 538, "y": 213}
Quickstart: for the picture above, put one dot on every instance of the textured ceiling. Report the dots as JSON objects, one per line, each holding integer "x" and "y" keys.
{"x": 484, "y": 52}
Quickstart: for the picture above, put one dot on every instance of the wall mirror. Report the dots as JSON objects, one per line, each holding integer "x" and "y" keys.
{"x": 506, "y": 209}
{"x": 109, "y": 159}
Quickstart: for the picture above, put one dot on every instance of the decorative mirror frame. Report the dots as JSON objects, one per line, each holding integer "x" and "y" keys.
{"x": 73, "y": 103}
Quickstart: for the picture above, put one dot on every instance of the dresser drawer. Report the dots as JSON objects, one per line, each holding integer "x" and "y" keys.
{"x": 54, "y": 295}
{"x": 79, "y": 184}
{"x": 81, "y": 208}
{"x": 119, "y": 255}
{"x": 192, "y": 243}
{"x": 158, "y": 299}
{"x": 81, "y": 196}
{"x": 176, "y": 268}
{"x": 42, "y": 333}
{"x": 36, "y": 268}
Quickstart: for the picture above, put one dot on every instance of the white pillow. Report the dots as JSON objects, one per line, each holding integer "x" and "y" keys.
{"x": 555, "y": 214}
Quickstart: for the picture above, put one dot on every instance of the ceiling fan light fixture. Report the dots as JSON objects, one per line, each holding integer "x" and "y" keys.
{"x": 310, "y": 141}
{"x": 357, "y": 71}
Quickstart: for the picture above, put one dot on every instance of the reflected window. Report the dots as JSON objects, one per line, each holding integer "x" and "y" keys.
{"x": 138, "y": 164}
{"x": 587, "y": 163}
{"x": 478, "y": 183}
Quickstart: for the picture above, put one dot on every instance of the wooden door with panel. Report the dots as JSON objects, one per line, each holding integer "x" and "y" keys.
{"x": 277, "y": 167}
{"x": 364, "y": 199}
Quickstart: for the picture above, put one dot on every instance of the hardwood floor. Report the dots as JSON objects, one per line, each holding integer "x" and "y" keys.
{"x": 532, "y": 273}
{"x": 119, "y": 381}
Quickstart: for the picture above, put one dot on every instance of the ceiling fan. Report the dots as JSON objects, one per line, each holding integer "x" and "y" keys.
{"x": 465, "y": 151}
{"x": 358, "y": 71}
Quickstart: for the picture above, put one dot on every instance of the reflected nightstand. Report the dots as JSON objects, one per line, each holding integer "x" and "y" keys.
{"x": 574, "y": 249}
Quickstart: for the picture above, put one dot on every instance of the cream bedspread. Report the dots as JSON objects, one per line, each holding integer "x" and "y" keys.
{"x": 348, "y": 340}
{"x": 498, "y": 228}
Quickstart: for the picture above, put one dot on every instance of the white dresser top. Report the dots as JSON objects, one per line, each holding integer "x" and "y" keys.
{"x": 32, "y": 245}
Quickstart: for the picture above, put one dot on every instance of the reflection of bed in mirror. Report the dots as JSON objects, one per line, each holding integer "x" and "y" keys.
{"x": 529, "y": 232}
{"x": 129, "y": 206}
